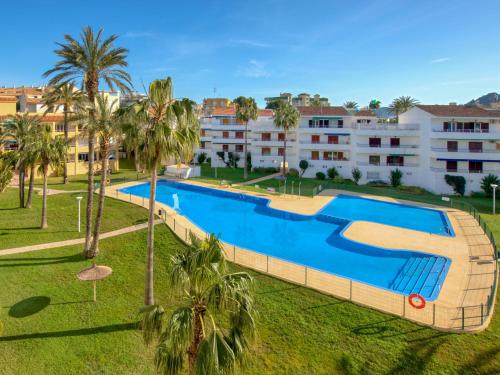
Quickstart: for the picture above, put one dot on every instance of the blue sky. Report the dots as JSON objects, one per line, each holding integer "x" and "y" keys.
{"x": 435, "y": 51}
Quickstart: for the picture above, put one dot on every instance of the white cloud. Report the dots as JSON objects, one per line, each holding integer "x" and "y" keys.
{"x": 440, "y": 60}
{"x": 139, "y": 34}
{"x": 254, "y": 69}
{"x": 250, "y": 43}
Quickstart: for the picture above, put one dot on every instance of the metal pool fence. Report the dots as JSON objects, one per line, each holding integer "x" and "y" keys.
{"x": 458, "y": 319}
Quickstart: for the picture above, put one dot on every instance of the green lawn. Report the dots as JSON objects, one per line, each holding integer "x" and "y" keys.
{"x": 231, "y": 175}
{"x": 20, "y": 226}
{"x": 52, "y": 328}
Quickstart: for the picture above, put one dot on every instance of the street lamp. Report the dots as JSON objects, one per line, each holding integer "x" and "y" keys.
{"x": 79, "y": 200}
{"x": 494, "y": 187}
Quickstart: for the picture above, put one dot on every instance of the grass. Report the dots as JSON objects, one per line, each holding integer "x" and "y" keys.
{"x": 231, "y": 175}
{"x": 21, "y": 226}
{"x": 52, "y": 328}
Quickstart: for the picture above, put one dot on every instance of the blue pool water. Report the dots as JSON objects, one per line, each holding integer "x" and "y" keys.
{"x": 315, "y": 241}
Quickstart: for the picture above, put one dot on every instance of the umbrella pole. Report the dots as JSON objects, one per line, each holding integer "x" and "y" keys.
{"x": 95, "y": 291}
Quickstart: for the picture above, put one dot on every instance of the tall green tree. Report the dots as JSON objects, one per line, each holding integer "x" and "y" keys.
{"x": 52, "y": 151}
{"x": 286, "y": 117}
{"x": 246, "y": 110}
{"x": 69, "y": 97}
{"x": 90, "y": 60}
{"x": 351, "y": 106}
{"x": 169, "y": 127}
{"x": 401, "y": 105}
{"x": 374, "y": 104}
{"x": 131, "y": 135}
{"x": 213, "y": 326}
{"x": 106, "y": 127}
{"x": 18, "y": 128}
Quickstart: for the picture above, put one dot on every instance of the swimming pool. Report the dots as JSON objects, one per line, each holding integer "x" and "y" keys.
{"x": 315, "y": 241}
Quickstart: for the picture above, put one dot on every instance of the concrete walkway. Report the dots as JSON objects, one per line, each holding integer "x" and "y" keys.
{"x": 76, "y": 241}
{"x": 260, "y": 179}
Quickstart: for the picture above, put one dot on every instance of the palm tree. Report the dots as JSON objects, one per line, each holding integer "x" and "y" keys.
{"x": 213, "y": 326}
{"x": 130, "y": 135}
{"x": 18, "y": 128}
{"x": 90, "y": 60}
{"x": 286, "y": 117}
{"x": 351, "y": 106}
{"x": 32, "y": 156}
{"x": 68, "y": 96}
{"x": 374, "y": 104}
{"x": 246, "y": 110}
{"x": 52, "y": 151}
{"x": 169, "y": 127}
{"x": 105, "y": 125}
{"x": 401, "y": 105}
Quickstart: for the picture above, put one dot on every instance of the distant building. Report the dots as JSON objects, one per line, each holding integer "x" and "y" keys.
{"x": 210, "y": 104}
{"x": 301, "y": 100}
{"x": 131, "y": 98}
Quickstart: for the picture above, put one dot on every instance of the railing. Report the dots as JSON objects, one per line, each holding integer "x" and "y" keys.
{"x": 465, "y": 171}
{"x": 364, "y": 164}
{"x": 461, "y": 130}
{"x": 383, "y": 126}
{"x": 444, "y": 149}
{"x": 309, "y": 143}
{"x": 387, "y": 146}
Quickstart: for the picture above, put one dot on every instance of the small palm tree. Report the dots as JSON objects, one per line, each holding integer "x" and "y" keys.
{"x": 351, "y": 106}
{"x": 246, "y": 110}
{"x": 52, "y": 151}
{"x": 286, "y": 117}
{"x": 214, "y": 325}
{"x": 90, "y": 60}
{"x": 401, "y": 105}
{"x": 169, "y": 127}
{"x": 106, "y": 127}
{"x": 18, "y": 128}
{"x": 374, "y": 104}
{"x": 69, "y": 97}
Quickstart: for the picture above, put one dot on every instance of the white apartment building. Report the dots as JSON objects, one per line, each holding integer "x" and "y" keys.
{"x": 427, "y": 143}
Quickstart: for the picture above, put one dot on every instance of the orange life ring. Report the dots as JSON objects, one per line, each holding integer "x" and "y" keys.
{"x": 416, "y": 301}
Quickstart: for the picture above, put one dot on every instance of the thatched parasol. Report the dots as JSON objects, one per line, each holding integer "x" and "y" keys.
{"x": 94, "y": 273}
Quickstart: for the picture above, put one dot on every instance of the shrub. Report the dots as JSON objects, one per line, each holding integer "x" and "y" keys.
{"x": 486, "y": 184}
{"x": 6, "y": 174}
{"x": 396, "y": 177}
{"x": 271, "y": 170}
{"x": 320, "y": 176}
{"x": 209, "y": 160}
{"x": 456, "y": 182}
{"x": 412, "y": 190}
{"x": 303, "y": 165}
{"x": 201, "y": 158}
{"x": 249, "y": 161}
{"x": 292, "y": 172}
{"x": 377, "y": 183}
{"x": 356, "y": 175}
{"x": 332, "y": 172}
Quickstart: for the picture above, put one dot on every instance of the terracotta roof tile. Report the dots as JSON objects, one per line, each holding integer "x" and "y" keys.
{"x": 47, "y": 118}
{"x": 8, "y": 99}
{"x": 232, "y": 112}
{"x": 323, "y": 111}
{"x": 457, "y": 111}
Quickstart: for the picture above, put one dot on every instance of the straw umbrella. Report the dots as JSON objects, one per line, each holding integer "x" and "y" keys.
{"x": 94, "y": 273}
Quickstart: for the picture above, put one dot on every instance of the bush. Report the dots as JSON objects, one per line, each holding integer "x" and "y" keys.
{"x": 209, "y": 160}
{"x": 486, "y": 184}
{"x": 377, "y": 183}
{"x": 6, "y": 174}
{"x": 201, "y": 158}
{"x": 412, "y": 190}
{"x": 456, "y": 182}
{"x": 332, "y": 172}
{"x": 477, "y": 194}
{"x": 356, "y": 175}
{"x": 265, "y": 170}
{"x": 292, "y": 172}
{"x": 320, "y": 176}
{"x": 249, "y": 161}
{"x": 396, "y": 177}
{"x": 303, "y": 165}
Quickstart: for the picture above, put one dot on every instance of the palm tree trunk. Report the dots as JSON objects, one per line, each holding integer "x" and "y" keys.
{"x": 102, "y": 195}
{"x": 245, "y": 174}
{"x": 199, "y": 312}
{"x": 44, "y": 198}
{"x": 284, "y": 154}
{"x": 90, "y": 197}
{"x": 136, "y": 160}
{"x": 22, "y": 174}
{"x": 149, "y": 298}
{"x": 31, "y": 187}
{"x": 65, "y": 175}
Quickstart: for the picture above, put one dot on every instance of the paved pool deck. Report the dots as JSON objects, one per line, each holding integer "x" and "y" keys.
{"x": 470, "y": 275}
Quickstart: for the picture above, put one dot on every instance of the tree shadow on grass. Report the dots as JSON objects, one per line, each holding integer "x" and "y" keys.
{"x": 73, "y": 332}
{"x": 29, "y": 306}
{"x": 27, "y": 262}
{"x": 416, "y": 357}
{"x": 482, "y": 362}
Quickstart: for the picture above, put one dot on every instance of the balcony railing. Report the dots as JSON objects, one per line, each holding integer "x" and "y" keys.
{"x": 386, "y": 146}
{"x": 463, "y": 170}
{"x": 441, "y": 130}
{"x": 379, "y": 126}
{"x": 444, "y": 149}
{"x": 309, "y": 142}
{"x": 382, "y": 164}
{"x": 272, "y": 140}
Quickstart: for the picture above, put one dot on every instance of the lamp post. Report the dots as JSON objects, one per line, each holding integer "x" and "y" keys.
{"x": 79, "y": 200}
{"x": 494, "y": 187}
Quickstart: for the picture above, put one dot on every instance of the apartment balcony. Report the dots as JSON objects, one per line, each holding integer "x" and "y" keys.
{"x": 464, "y": 153}
{"x": 330, "y": 130}
{"x": 206, "y": 138}
{"x": 464, "y": 171}
{"x": 387, "y": 149}
{"x": 389, "y": 165}
{"x": 229, "y": 141}
{"x": 465, "y": 134}
{"x": 325, "y": 146}
{"x": 225, "y": 127}
{"x": 272, "y": 142}
{"x": 387, "y": 129}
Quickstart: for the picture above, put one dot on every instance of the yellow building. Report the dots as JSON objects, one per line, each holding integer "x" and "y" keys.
{"x": 209, "y": 104}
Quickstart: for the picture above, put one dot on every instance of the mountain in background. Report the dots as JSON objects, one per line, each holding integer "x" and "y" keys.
{"x": 486, "y": 100}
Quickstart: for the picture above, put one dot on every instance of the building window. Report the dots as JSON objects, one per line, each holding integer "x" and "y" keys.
{"x": 374, "y": 160}
{"x": 239, "y": 135}
{"x": 225, "y": 121}
{"x": 202, "y": 133}
{"x": 225, "y": 148}
{"x": 281, "y": 151}
{"x": 238, "y": 148}
{"x": 266, "y": 136}
{"x": 314, "y": 155}
{"x": 375, "y": 142}
{"x": 59, "y": 127}
{"x": 340, "y": 123}
{"x": 338, "y": 155}
{"x": 311, "y": 124}
{"x": 452, "y": 146}
{"x": 475, "y": 146}
{"x": 451, "y": 166}
{"x": 314, "y": 138}
{"x": 281, "y": 136}
{"x": 266, "y": 151}
{"x": 202, "y": 144}
{"x": 327, "y": 155}
{"x": 475, "y": 166}
{"x": 225, "y": 134}
{"x": 395, "y": 160}
{"x": 395, "y": 142}
{"x": 83, "y": 156}
{"x": 333, "y": 139}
